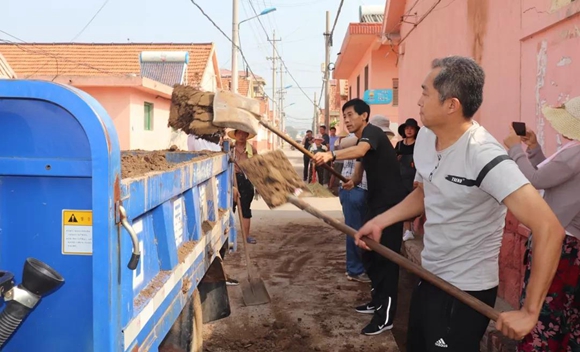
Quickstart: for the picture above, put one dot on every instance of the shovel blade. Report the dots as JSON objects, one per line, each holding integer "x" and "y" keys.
{"x": 254, "y": 292}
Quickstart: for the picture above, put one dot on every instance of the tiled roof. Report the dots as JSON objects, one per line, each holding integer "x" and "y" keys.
{"x": 365, "y": 28}
{"x": 5, "y": 69}
{"x": 243, "y": 85}
{"x": 86, "y": 59}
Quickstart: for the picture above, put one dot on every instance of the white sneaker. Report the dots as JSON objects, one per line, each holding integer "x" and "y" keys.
{"x": 408, "y": 235}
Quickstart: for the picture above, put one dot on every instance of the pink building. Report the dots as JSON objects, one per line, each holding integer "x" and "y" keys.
{"x": 125, "y": 79}
{"x": 370, "y": 68}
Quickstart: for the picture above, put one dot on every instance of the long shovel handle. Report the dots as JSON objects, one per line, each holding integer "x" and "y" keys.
{"x": 401, "y": 261}
{"x": 301, "y": 148}
{"x": 244, "y": 234}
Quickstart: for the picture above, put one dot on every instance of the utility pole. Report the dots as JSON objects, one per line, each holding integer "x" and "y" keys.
{"x": 282, "y": 97}
{"x": 315, "y": 117}
{"x": 327, "y": 73}
{"x": 274, "y": 58}
{"x": 235, "y": 46}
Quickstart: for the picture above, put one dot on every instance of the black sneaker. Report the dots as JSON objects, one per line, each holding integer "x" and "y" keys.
{"x": 375, "y": 329}
{"x": 381, "y": 321}
{"x": 368, "y": 308}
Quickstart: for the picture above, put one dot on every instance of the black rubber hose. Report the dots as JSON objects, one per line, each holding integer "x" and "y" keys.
{"x": 10, "y": 319}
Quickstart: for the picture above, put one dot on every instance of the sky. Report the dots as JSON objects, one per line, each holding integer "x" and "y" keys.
{"x": 299, "y": 23}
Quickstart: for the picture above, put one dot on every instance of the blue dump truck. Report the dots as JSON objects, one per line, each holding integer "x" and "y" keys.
{"x": 92, "y": 261}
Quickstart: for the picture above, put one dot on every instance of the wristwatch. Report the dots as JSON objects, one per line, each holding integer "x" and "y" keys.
{"x": 333, "y": 155}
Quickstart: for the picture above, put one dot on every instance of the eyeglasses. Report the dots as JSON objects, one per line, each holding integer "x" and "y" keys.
{"x": 435, "y": 169}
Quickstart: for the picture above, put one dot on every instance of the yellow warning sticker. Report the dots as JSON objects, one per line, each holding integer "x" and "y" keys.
{"x": 77, "y": 232}
{"x": 77, "y": 217}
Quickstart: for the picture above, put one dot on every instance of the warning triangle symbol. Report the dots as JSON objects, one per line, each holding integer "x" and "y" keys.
{"x": 72, "y": 218}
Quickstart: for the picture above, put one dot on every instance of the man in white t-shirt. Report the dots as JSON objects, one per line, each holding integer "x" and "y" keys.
{"x": 196, "y": 144}
{"x": 466, "y": 181}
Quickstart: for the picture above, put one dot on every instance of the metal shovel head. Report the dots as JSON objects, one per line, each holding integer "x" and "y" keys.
{"x": 254, "y": 292}
{"x": 234, "y": 111}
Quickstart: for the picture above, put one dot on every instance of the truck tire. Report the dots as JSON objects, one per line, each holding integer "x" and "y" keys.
{"x": 186, "y": 334}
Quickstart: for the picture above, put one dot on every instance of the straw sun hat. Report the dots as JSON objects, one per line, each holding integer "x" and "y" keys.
{"x": 232, "y": 134}
{"x": 565, "y": 119}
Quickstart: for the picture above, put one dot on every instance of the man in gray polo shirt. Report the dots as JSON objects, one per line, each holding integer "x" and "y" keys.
{"x": 466, "y": 181}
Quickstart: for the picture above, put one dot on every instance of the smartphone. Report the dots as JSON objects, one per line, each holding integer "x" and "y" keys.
{"x": 520, "y": 128}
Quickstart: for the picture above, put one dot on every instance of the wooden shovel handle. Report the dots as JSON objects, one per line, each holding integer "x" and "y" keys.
{"x": 301, "y": 148}
{"x": 398, "y": 259}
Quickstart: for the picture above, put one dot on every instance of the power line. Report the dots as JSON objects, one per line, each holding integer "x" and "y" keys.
{"x": 280, "y": 57}
{"x": 336, "y": 20}
{"x": 230, "y": 40}
{"x": 91, "y": 20}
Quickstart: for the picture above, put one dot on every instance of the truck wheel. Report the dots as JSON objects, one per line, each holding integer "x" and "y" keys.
{"x": 186, "y": 334}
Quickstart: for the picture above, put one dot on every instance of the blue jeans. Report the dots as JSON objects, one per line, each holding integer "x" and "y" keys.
{"x": 354, "y": 208}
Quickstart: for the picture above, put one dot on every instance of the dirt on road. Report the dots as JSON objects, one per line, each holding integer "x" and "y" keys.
{"x": 302, "y": 262}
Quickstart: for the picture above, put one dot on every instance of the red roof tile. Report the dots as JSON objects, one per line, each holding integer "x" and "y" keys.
{"x": 86, "y": 59}
{"x": 243, "y": 85}
{"x": 365, "y": 28}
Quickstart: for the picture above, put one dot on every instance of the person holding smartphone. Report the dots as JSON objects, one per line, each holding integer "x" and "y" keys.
{"x": 558, "y": 176}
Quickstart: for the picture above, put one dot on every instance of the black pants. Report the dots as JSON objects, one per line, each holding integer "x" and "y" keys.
{"x": 439, "y": 322}
{"x": 246, "y": 190}
{"x": 383, "y": 273}
{"x": 307, "y": 175}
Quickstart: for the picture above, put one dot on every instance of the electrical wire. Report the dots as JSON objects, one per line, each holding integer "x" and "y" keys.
{"x": 237, "y": 46}
{"x": 336, "y": 19}
{"x": 280, "y": 57}
{"x": 90, "y": 21}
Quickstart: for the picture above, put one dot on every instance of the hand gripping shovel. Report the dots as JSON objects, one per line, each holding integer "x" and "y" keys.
{"x": 254, "y": 290}
{"x": 276, "y": 181}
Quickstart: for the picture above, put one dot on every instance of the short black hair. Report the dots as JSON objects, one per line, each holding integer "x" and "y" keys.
{"x": 333, "y": 128}
{"x": 359, "y": 106}
{"x": 322, "y": 126}
{"x": 462, "y": 78}
{"x": 309, "y": 131}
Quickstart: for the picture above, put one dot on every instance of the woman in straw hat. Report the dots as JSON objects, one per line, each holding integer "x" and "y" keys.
{"x": 558, "y": 327}
{"x": 243, "y": 150}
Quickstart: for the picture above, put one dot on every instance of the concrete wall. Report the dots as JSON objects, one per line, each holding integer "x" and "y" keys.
{"x": 382, "y": 69}
{"x": 116, "y": 102}
{"x": 161, "y": 137}
{"x": 208, "y": 79}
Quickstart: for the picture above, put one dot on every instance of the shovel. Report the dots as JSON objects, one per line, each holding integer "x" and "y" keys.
{"x": 254, "y": 290}
{"x": 277, "y": 182}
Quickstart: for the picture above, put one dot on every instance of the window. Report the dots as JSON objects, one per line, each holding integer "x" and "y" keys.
{"x": 358, "y": 86}
{"x": 148, "y": 117}
{"x": 395, "y": 92}
{"x": 366, "y": 77}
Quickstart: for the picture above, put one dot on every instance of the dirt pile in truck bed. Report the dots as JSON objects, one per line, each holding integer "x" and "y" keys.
{"x": 192, "y": 112}
{"x": 139, "y": 163}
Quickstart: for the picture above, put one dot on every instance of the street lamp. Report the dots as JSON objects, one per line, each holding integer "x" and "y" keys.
{"x": 265, "y": 12}
{"x": 236, "y": 40}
